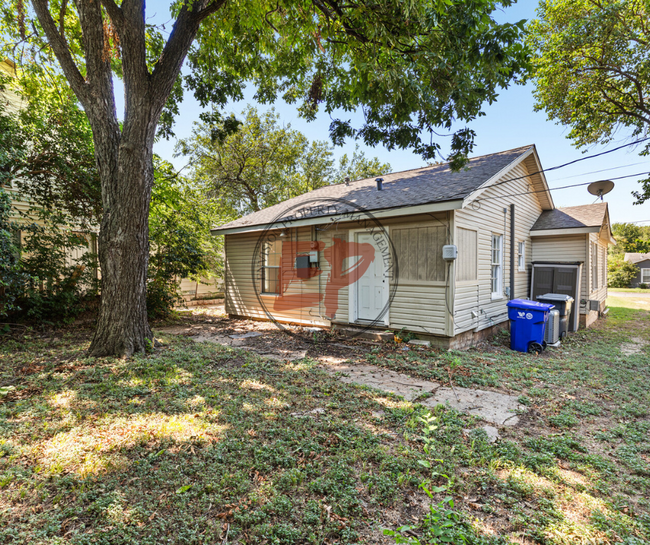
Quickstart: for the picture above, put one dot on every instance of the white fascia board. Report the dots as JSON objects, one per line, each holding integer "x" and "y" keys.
{"x": 567, "y": 231}
{"x": 320, "y": 220}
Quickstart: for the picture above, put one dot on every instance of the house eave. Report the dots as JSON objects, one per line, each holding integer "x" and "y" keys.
{"x": 564, "y": 231}
{"x": 320, "y": 220}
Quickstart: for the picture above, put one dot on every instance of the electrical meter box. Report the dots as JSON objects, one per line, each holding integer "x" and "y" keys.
{"x": 449, "y": 252}
{"x": 313, "y": 256}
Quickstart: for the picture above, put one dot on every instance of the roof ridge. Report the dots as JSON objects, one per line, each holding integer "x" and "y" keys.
{"x": 432, "y": 166}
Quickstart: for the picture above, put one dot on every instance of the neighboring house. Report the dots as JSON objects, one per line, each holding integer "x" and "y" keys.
{"x": 579, "y": 234}
{"x": 322, "y": 259}
{"x": 642, "y": 262}
{"x": 12, "y": 103}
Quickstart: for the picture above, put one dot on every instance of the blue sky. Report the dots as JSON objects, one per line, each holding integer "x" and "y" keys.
{"x": 508, "y": 123}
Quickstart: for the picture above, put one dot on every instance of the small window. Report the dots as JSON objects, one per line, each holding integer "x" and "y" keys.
{"x": 645, "y": 276}
{"x": 467, "y": 262}
{"x": 271, "y": 259}
{"x": 521, "y": 256}
{"x": 497, "y": 266}
{"x": 594, "y": 266}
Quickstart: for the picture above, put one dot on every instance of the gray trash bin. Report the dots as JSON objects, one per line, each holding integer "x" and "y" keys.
{"x": 563, "y": 304}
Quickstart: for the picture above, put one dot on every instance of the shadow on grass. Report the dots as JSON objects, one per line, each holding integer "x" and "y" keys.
{"x": 199, "y": 443}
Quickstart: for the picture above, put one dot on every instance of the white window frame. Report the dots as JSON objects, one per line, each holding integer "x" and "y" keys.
{"x": 594, "y": 266}
{"x": 266, "y": 266}
{"x": 496, "y": 266}
{"x": 521, "y": 256}
{"x": 645, "y": 272}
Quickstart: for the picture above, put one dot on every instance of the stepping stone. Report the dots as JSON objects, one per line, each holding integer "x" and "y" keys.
{"x": 492, "y": 407}
{"x": 382, "y": 379}
{"x": 418, "y": 342}
{"x": 248, "y": 335}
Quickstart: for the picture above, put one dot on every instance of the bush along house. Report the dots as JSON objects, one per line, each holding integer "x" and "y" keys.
{"x": 431, "y": 251}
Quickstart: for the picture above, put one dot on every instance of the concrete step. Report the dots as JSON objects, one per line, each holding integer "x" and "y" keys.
{"x": 370, "y": 334}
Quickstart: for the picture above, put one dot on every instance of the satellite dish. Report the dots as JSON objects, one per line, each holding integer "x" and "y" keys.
{"x": 600, "y": 188}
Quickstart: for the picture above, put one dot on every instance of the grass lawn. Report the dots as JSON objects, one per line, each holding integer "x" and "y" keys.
{"x": 629, "y": 290}
{"x": 198, "y": 443}
{"x": 639, "y": 303}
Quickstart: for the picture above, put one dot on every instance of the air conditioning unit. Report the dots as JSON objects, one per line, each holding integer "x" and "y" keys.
{"x": 594, "y": 305}
{"x": 552, "y": 333}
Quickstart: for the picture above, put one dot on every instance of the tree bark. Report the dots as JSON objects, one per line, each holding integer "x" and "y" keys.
{"x": 123, "y": 328}
{"x": 124, "y": 157}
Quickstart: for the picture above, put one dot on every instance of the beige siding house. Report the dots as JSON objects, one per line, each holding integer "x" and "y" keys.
{"x": 432, "y": 251}
{"x": 577, "y": 235}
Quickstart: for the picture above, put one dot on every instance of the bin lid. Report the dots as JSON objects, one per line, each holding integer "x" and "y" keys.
{"x": 556, "y": 297}
{"x": 529, "y": 305}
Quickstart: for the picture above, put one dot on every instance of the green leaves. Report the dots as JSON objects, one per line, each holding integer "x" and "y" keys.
{"x": 592, "y": 68}
{"x": 262, "y": 162}
{"x": 411, "y": 66}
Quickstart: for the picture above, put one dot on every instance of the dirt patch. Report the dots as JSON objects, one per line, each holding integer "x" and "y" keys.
{"x": 635, "y": 346}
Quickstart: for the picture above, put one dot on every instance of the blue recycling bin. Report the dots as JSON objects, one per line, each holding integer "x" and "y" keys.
{"x": 527, "y": 323}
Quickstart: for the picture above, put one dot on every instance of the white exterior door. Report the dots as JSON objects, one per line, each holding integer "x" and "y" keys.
{"x": 372, "y": 288}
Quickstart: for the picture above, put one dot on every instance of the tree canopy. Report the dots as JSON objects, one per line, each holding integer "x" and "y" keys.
{"x": 412, "y": 67}
{"x": 592, "y": 69}
{"x": 263, "y": 163}
{"x": 630, "y": 238}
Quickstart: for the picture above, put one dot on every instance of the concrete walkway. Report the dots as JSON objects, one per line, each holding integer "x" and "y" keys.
{"x": 500, "y": 409}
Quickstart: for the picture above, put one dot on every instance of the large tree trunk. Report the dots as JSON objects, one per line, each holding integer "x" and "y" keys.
{"x": 124, "y": 157}
{"x": 123, "y": 327}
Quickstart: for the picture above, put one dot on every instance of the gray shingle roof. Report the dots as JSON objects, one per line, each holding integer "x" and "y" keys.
{"x": 588, "y": 215}
{"x": 636, "y": 258}
{"x": 415, "y": 187}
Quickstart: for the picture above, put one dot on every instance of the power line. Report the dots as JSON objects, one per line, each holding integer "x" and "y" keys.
{"x": 602, "y": 170}
{"x": 564, "y": 164}
{"x": 555, "y": 188}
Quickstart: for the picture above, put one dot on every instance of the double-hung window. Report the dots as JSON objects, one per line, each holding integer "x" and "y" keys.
{"x": 271, "y": 260}
{"x": 521, "y": 256}
{"x": 645, "y": 276}
{"x": 496, "y": 275}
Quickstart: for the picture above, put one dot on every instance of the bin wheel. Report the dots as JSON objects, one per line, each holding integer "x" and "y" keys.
{"x": 544, "y": 345}
{"x": 562, "y": 335}
{"x": 535, "y": 348}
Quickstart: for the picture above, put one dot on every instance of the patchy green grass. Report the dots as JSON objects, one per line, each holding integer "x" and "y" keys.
{"x": 637, "y": 303}
{"x": 629, "y": 290}
{"x": 198, "y": 443}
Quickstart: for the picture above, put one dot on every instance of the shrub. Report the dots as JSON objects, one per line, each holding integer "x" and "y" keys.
{"x": 619, "y": 272}
{"x": 11, "y": 275}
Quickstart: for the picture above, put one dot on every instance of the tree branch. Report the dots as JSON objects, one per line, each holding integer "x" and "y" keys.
{"x": 60, "y": 48}
{"x": 98, "y": 68}
{"x": 114, "y": 12}
{"x": 179, "y": 42}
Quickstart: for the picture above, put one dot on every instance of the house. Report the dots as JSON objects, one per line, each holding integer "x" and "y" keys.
{"x": 22, "y": 210}
{"x": 642, "y": 261}
{"x": 432, "y": 251}
{"x": 579, "y": 234}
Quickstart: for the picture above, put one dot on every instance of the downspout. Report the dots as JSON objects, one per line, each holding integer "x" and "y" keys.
{"x": 512, "y": 251}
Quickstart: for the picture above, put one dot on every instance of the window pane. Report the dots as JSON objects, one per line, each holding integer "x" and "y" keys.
{"x": 271, "y": 280}
{"x": 273, "y": 253}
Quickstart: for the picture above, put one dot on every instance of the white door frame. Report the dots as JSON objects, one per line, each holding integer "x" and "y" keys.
{"x": 352, "y": 289}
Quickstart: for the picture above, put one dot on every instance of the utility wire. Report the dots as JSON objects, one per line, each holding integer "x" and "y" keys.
{"x": 562, "y": 165}
{"x": 601, "y": 170}
{"x": 555, "y": 188}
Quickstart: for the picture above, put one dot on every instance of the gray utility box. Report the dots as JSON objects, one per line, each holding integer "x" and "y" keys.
{"x": 563, "y": 304}
{"x": 552, "y": 332}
